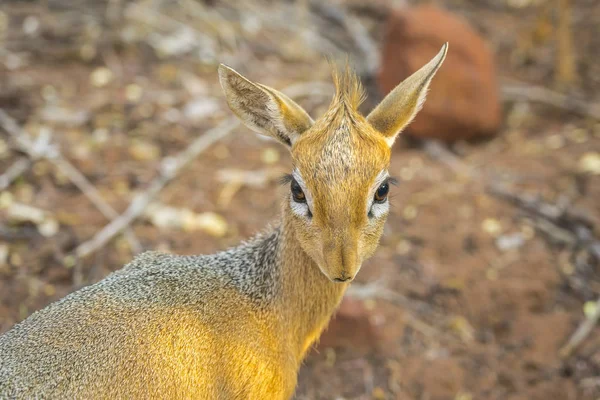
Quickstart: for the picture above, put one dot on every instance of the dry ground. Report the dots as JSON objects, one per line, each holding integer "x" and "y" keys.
{"x": 491, "y": 292}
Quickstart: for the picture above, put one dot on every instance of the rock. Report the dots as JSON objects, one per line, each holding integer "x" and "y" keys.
{"x": 463, "y": 101}
{"x": 352, "y": 326}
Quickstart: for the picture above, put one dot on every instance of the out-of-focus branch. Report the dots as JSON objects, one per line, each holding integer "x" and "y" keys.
{"x": 565, "y": 62}
{"x": 543, "y": 95}
{"x": 583, "y": 331}
{"x": 13, "y": 172}
{"x": 42, "y": 148}
{"x": 170, "y": 168}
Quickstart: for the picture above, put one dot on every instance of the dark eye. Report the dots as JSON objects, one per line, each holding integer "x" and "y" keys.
{"x": 297, "y": 193}
{"x": 382, "y": 192}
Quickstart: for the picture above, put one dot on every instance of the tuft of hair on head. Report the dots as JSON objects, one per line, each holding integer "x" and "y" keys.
{"x": 348, "y": 87}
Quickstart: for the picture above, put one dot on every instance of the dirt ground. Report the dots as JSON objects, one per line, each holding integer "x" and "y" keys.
{"x": 487, "y": 291}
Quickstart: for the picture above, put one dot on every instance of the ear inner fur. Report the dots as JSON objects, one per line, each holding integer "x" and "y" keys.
{"x": 403, "y": 103}
{"x": 263, "y": 109}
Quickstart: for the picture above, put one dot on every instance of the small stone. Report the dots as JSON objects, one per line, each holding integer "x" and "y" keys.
{"x": 510, "y": 242}
{"x": 6, "y": 199}
{"x": 49, "y": 290}
{"x": 100, "y": 135}
{"x": 528, "y": 232}
{"x": 49, "y": 93}
{"x": 518, "y": 3}
{"x": 31, "y": 25}
{"x": 378, "y": 394}
{"x": 410, "y": 212}
{"x": 212, "y": 223}
{"x": 578, "y": 135}
{"x": 101, "y": 77}
{"x": 330, "y": 357}
{"x": 81, "y": 151}
{"x": 87, "y": 52}
{"x": 491, "y": 226}
{"x": 18, "y": 212}
{"x": 144, "y": 151}
{"x": 48, "y": 228}
{"x": 269, "y": 156}
{"x": 463, "y": 328}
{"x": 133, "y": 93}
{"x": 172, "y": 115}
{"x": 221, "y": 152}
{"x": 463, "y": 396}
{"x": 590, "y": 308}
{"x": 491, "y": 274}
{"x": 555, "y": 142}
{"x": 567, "y": 268}
{"x": 370, "y": 304}
{"x": 3, "y": 254}
{"x": 146, "y": 110}
{"x": 201, "y": 108}
{"x": 403, "y": 247}
{"x": 69, "y": 261}
{"x": 415, "y": 163}
{"x": 4, "y": 152}
{"x": 351, "y": 326}
{"x": 168, "y": 73}
{"x": 590, "y": 163}
{"x": 407, "y": 174}
{"x": 3, "y": 22}
{"x": 122, "y": 245}
{"x": 16, "y": 259}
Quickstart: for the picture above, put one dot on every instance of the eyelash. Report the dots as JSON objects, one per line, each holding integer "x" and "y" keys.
{"x": 285, "y": 179}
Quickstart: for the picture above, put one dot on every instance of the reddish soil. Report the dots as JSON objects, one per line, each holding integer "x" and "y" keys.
{"x": 477, "y": 322}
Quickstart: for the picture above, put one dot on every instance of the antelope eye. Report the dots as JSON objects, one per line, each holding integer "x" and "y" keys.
{"x": 382, "y": 192}
{"x": 297, "y": 193}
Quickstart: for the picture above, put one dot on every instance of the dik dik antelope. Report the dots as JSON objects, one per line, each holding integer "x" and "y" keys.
{"x": 236, "y": 324}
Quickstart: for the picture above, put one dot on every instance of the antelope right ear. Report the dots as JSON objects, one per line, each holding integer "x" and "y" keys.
{"x": 403, "y": 103}
{"x": 263, "y": 109}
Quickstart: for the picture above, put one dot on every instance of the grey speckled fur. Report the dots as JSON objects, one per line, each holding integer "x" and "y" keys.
{"x": 35, "y": 365}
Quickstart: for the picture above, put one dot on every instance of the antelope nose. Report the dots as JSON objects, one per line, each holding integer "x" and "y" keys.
{"x": 343, "y": 279}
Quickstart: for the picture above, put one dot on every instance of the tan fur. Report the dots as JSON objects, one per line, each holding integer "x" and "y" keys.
{"x": 236, "y": 324}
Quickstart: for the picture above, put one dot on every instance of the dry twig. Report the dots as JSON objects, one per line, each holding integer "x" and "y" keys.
{"x": 170, "y": 168}
{"x": 543, "y": 95}
{"x": 583, "y": 331}
{"x": 43, "y": 149}
{"x": 13, "y": 172}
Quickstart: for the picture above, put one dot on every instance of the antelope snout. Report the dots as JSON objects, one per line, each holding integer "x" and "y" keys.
{"x": 341, "y": 260}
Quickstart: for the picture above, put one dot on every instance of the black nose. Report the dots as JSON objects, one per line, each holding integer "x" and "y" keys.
{"x": 344, "y": 279}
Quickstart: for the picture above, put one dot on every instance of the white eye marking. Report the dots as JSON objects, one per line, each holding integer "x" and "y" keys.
{"x": 300, "y": 209}
{"x": 377, "y": 210}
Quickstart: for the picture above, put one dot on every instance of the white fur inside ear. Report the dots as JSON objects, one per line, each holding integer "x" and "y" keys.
{"x": 403, "y": 103}
{"x": 277, "y": 120}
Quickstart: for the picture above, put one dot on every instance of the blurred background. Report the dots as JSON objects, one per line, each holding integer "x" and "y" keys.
{"x": 115, "y": 138}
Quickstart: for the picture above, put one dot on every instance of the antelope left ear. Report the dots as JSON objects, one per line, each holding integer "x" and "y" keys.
{"x": 263, "y": 109}
{"x": 403, "y": 103}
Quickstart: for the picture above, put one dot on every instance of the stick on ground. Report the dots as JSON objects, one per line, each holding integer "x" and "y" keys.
{"x": 171, "y": 167}
{"x": 583, "y": 331}
{"x": 42, "y": 149}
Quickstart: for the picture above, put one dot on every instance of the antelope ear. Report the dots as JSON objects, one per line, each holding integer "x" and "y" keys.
{"x": 263, "y": 109}
{"x": 403, "y": 103}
